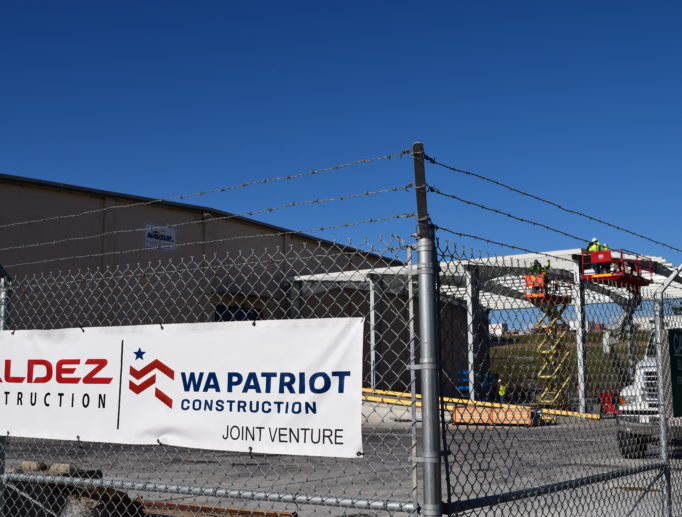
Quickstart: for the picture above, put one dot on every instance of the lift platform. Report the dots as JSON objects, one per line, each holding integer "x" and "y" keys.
{"x": 541, "y": 288}
{"x": 630, "y": 272}
{"x": 549, "y": 296}
{"x": 614, "y": 267}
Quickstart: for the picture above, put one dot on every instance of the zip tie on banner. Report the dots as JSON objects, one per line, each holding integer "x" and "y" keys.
{"x": 80, "y": 445}
{"x": 161, "y": 325}
{"x": 251, "y": 448}
{"x": 159, "y": 441}
{"x": 13, "y": 331}
{"x": 82, "y": 329}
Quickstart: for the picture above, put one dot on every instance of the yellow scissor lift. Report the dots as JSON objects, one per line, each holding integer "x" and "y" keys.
{"x": 547, "y": 295}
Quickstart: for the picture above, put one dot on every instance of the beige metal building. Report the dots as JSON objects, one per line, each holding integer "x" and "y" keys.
{"x": 102, "y": 228}
{"x": 48, "y": 227}
{"x": 80, "y": 257}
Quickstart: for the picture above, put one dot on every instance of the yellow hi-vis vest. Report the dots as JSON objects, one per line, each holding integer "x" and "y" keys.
{"x": 503, "y": 390}
{"x": 595, "y": 246}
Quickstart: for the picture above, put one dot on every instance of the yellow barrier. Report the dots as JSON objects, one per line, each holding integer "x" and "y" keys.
{"x": 399, "y": 398}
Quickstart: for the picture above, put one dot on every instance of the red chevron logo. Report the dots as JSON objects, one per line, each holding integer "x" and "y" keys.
{"x": 155, "y": 365}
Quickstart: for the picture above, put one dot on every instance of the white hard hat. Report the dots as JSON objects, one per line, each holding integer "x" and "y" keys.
{"x": 594, "y": 239}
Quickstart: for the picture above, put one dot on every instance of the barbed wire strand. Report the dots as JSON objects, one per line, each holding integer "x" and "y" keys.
{"x": 114, "y": 272}
{"x": 210, "y": 191}
{"x": 290, "y": 204}
{"x": 436, "y": 190}
{"x": 503, "y": 244}
{"x": 225, "y": 239}
{"x": 552, "y": 203}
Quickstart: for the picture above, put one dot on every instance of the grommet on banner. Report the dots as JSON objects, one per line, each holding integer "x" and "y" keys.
{"x": 253, "y": 323}
{"x": 359, "y": 453}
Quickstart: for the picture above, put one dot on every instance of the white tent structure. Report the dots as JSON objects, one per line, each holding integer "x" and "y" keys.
{"x": 496, "y": 283}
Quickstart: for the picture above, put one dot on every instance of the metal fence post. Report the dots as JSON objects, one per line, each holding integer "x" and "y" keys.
{"x": 4, "y": 318}
{"x": 662, "y": 407}
{"x": 662, "y": 391}
{"x": 413, "y": 378}
{"x": 473, "y": 325}
{"x": 428, "y": 363}
{"x": 580, "y": 335}
{"x": 4, "y": 299}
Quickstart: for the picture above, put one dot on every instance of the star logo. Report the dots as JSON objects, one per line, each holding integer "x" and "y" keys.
{"x": 139, "y": 354}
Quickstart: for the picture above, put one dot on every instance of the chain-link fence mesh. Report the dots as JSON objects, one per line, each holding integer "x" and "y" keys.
{"x": 304, "y": 281}
{"x": 550, "y": 388}
{"x": 552, "y": 372}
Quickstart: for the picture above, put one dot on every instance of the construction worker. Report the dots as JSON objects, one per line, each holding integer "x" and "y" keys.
{"x": 502, "y": 391}
{"x": 614, "y": 266}
{"x": 536, "y": 268}
{"x": 593, "y": 246}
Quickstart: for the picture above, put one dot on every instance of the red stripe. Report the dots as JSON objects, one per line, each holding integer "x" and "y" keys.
{"x": 139, "y": 388}
{"x": 164, "y": 398}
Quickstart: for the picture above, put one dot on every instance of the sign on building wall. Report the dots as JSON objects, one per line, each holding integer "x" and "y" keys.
{"x": 277, "y": 387}
{"x": 159, "y": 237}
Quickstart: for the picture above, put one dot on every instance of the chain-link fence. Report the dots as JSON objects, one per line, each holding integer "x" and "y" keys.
{"x": 492, "y": 385}
{"x": 307, "y": 281}
{"x": 536, "y": 382}
{"x": 552, "y": 403}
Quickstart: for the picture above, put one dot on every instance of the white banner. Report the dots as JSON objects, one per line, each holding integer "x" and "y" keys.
{"x": 277, "y": 387}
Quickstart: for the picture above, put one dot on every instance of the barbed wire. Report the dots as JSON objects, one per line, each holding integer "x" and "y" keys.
{"x": 210, "y": 191}
{"x": 225, "y": 239}
{"x": 551, "y": 203}
{"x": 436, "y": 190}
{"x": 503, "y": 244}
{"x": 290, "y": 204}
{"x": 116, "y": 272}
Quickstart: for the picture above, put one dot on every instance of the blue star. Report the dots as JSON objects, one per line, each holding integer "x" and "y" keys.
{"x": 139, "y": 354}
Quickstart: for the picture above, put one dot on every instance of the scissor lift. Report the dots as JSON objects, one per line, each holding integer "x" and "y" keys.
{"x": 548, "y": 295}
{"x": 627, "y": 271}
{"x": 616, "y": 268}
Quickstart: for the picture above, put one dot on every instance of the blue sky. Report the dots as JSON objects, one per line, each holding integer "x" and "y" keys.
{"x": 578, "y": 102}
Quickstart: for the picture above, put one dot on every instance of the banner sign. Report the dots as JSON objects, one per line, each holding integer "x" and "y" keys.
{"x": 159, "y": 237}
{"x": 276, "y": 387}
